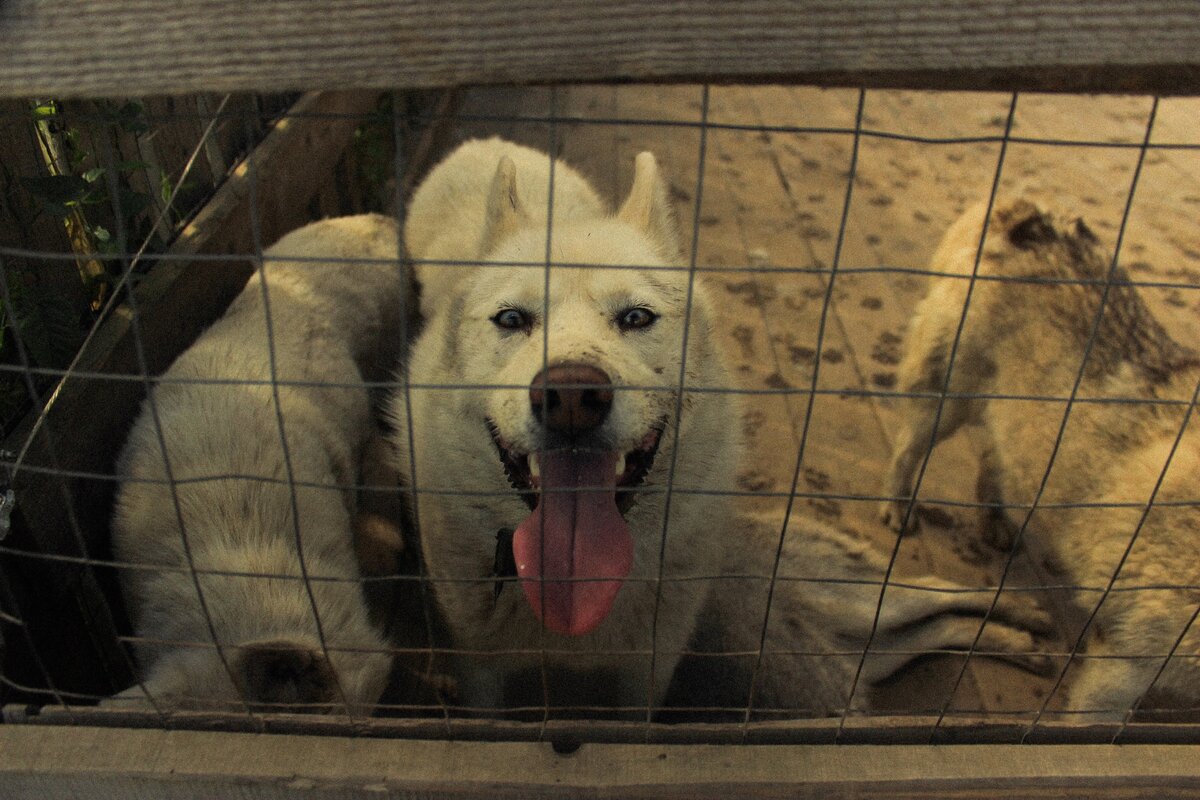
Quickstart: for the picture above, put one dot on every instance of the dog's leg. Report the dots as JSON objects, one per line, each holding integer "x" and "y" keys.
{"x": 132, "y": 699}
{"x": 995, "y": 526}
{"x": 170, "y": 684}
{"x": 917, "y": 620}
{"x": 1108, "y": 679}
{"x": 479, "y": 688}
{"x": 904, "y": 605}
{"x": 922, "y": 370}
{"x": 915, "y": 438}
{"x": 1104, "y": 689}
{"x": 903, "y": 644}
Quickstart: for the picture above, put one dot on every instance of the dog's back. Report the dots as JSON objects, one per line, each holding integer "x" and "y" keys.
{"x": 1031, "y": 323}
{"x": 226, "y": 477}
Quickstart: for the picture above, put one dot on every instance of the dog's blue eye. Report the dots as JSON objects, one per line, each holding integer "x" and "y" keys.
{"x": 513, "y": 319}
{"x": 634, "y": 318}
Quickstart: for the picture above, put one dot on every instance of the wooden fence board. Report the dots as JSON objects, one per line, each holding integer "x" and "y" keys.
{"x": 85, "y": 47}
{"x": 102, "y": 763}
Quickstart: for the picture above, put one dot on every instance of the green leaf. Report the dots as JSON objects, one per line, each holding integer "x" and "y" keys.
{"x": 76, "y": 153}
{"x": 92, "y": 174}
{"x": 49, "y": 326}
{"x": 45, "y": 110}
{"x": 164, "y": 187}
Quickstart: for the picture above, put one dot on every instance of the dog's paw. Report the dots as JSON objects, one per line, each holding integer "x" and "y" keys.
{"x": 1017, "y": 646}
{"x": 1023, "y": 610}
{"x": 132, "y": 699}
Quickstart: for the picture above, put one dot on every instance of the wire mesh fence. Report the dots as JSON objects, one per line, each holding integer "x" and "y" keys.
{"x": 739, "y": 345}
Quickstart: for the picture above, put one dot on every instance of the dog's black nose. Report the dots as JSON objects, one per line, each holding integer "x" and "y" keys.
{"x": 571, "y": 398}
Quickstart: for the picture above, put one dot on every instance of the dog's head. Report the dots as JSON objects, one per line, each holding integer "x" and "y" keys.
{"x": 583, "y": 364}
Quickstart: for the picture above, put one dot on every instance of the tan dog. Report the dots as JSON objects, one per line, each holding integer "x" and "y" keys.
{"x": 1028, "y": 337}
{"x": 331, "y": 319}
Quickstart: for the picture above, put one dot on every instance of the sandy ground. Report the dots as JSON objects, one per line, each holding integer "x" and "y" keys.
{"x": 773, "y": 199}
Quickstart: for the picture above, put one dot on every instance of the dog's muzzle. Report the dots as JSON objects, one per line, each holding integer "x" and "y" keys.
{"x": 574, "y": 551}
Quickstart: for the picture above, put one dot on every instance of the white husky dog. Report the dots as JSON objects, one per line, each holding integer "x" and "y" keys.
{"x": 328, "y": 319}
{"x": 550, "y": 421}
{"x": 1029, "y": 337}
{"x": 573, "y": 452}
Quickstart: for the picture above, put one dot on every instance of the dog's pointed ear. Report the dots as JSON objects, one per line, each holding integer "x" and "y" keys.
{"x": 1025, "y": 225}
{"x": 648, "y": 207}
{"x": 505, "y": 213}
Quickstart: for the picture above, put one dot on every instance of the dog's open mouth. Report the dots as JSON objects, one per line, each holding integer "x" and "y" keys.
{"x": 574, "y": 550}
{"x": 524, "y": 471}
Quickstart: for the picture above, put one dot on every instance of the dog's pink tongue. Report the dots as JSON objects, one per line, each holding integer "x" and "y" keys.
{"x": 576, "y": 533}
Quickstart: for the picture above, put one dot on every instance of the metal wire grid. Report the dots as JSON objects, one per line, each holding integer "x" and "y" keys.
{"x": 11, "y": 614}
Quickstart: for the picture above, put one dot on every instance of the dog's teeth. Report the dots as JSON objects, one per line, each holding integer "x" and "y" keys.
{"x": 534, "y": 468}
{"x": 621, "y": 465}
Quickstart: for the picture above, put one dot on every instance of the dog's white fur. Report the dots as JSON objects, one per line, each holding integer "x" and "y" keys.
{"x": 487, "y": 202}
{"x": 1028, "y": 338}
{"x": 329, "y": 318}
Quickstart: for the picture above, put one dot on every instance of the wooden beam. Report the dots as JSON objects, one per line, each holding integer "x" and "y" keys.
{"x": 38, "y": 762}
{"x": 877, "y": 729}
{"x": 113, "y": 47}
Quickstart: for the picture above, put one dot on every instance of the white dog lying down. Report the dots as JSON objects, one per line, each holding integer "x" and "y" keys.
{"x": 1029, "y": 338}
{"x": 330, "y": 320}
{"x": 547, "y": 457}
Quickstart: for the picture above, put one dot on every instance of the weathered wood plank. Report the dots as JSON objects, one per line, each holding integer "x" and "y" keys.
{"x": 223, "y": 45}
{"x": 102, "y": 763}
{"x": 883, "y": 727}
